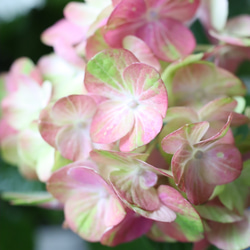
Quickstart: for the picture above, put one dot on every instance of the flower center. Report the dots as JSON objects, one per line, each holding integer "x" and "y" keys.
{"x": 152, "y": 15}
{"x": 198, "y": 155}
{"x": 81, "y": 125}
{"x": 103, "y": 194}
{"x": 133, "y": 103}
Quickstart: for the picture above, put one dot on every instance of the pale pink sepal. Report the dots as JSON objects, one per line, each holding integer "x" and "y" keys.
{"x": 213, "y": 14}
{"x": 21, "y": 66}
{"x": 60, "y": 73}
{"x": 6, "y": 130}
{"x": 236, "y": 31}
{"x": 60, "y": 31}
{"x": 35, "y": 154}
{"x": 85, "y": 14}
{"x": 23, "y": 105}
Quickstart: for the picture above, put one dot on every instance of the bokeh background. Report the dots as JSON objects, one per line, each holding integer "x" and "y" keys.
{"x": 33, "y": 228}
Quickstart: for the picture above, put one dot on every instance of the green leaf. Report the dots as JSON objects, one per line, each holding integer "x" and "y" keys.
{"x": 34, "y": 198}
{"x": 12, "y": 181}
{"x": 234, "y": 194}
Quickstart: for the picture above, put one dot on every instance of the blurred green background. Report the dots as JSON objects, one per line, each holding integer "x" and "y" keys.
{"x": 21, "y": 37}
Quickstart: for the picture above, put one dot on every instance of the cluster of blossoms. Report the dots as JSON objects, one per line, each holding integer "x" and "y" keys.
{"x": 130, "y": 131}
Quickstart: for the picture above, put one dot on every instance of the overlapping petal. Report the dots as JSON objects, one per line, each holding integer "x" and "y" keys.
{"x": 213, "y": 14}
{"x": 230, "y": 235}
{"x": 187, "y": 226}
{"x": 141, "y": 50}
{"x": 155, "y": 22}
{"x": 133, "y": 226}
{"x": 236, "y": 31}
{"x": 206, "y": 81}
{"x": 23, "y": 105}
{"x": 65, "y": 126}
{"x": 132, "y": 179}
{"x": 66, "y": 78}
{"x": 130, "y": 88}
{"x": 87, "y": 199}
{"x": 199, "y": 165}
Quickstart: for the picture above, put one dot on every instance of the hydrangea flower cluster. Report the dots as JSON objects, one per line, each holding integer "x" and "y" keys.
{"x": 130, "y": 129}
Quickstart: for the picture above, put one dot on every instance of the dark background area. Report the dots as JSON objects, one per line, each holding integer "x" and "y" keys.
{"x": 21, "y": 37}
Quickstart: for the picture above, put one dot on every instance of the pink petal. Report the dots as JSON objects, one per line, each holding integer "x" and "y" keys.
{"x": 171, "y": 198}
{"x": 127, "y": 186}
{"x": 81, "y": 14}
{"x": 104, "y": 72}
{"x": 188, "y": 225}
{"x": 151, "y": 22}
{"x": 213, "y": 14}
{"x": 222, "y": 164}
{"x": 66, "y": 51}
{"x": 111, "y": 122}
{"x": 66, "y": 182}
{"x": 74, "y": 108}
{"x": 147, "y": 124}
{"x": 23, "y": 106}
{"x": 206, "y": 143}
{"x": 230, "y": 57}
{"x": 23, "y": 66}
{"x": 190, "y": 133}
{"x": 88, "y": 199}
{"x": 48, "y": 129}
{"x": 220, "y": 109}
{"x": 236, "y": 31}
{"x": 90, "y": 216}
{"x": 165, "y": 38}
{"x": 163, "y": 213}
{"x": 140, "y": 49}
{"x": 176, "y": 117}
{"x": 179, "y": 10}
{"x": 74, "y": 143}
{"x": 145, "y": 84}
{"x": 95, "y": 44}
{"x": 60, "y": 31}
{"x": 130, "y": 228}
{"x": 190, "y": 79}
{"x": 6, "y": 130}
{"x": 188, "y": 178}
{"x": 230, "y": 235}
